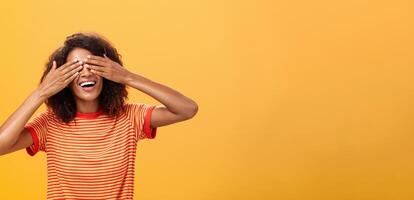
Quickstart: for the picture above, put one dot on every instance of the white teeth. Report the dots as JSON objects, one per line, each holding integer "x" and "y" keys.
{"x": 87, "y": 83}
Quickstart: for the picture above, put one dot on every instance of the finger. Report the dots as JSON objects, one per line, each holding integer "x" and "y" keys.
{"x": 68, "y": 64}
{"x": 99, "y": 73}
{"x": 97, "y": 62}
{"x": 54, "y": 65}
{"x": 94, "y": 67}
{"x": 96, "y": 58}
{"x": 73, "y": 71}
{"x": 106, "y": 57}
{"x": 71, "y": 78}
{"x": 72, "y": 67}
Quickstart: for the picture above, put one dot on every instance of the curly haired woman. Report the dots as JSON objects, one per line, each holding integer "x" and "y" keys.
{"x": 89, "y": 133}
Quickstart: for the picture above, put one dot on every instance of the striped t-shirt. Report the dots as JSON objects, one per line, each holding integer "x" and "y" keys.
{"x": 93, "y": 156}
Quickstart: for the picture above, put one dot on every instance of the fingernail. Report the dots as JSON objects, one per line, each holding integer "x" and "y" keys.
{"x": 88, "y": 56}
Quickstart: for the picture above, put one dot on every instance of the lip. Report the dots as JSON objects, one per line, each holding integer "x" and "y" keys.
{"x": 86, "y": 80}
{"x": 87, "y": 89}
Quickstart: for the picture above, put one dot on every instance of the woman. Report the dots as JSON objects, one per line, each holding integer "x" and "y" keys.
{"x": 89, "y": 132}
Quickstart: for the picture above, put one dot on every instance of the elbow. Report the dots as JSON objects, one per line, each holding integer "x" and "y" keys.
{"x": 2, "y": 147}
{"x": 191, "y": 111}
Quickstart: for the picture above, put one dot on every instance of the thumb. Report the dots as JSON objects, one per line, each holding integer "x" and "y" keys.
{"x": 54, "y": 65}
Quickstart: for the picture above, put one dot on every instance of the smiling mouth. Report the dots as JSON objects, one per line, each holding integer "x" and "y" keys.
{"x": 87, "y": 84}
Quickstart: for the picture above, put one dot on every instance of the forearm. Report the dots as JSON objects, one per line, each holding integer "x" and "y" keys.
{"x": 13, "y": 126}
{"x": 175, "y": 101}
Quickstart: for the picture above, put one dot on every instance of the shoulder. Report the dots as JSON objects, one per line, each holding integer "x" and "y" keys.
{"x": 46, "y": 115}
{"x": 133, "y": 105}
{"x": 49, "y": 116}
{"x": 137, "y": 108}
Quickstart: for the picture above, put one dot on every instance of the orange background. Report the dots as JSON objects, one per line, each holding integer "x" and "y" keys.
{"x": 298, "y": 100}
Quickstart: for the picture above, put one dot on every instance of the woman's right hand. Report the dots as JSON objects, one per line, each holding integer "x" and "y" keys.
{"x": 59, "y": 77}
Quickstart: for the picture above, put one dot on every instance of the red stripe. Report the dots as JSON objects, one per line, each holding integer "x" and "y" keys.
{"x": 149, "y": 132}
{"x": 93, "y": 157}
{"x": 35, "y": 142}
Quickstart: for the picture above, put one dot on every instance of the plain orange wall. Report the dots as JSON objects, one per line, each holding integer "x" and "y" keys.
{"x": 298, "y": 100}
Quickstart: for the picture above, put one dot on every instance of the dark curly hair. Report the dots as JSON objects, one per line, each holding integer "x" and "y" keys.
{"x": 112, "y": 96}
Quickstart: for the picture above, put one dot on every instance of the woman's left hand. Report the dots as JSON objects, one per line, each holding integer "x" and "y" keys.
{"x": 105, "y": 67}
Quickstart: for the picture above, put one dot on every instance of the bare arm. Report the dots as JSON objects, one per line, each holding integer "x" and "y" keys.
{"x": 177, "y": 106}
{"x": 13, "y": 136}
{"x": 13, "y": 127}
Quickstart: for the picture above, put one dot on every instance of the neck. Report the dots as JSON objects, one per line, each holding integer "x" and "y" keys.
{"x": 87, "y": 106}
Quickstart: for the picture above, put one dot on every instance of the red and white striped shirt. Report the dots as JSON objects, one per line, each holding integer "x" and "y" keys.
{"x": 93, "y": 156}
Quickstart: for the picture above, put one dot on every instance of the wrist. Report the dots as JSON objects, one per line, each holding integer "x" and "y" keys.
{"x": 40, "y": 95}
{"x": 128, "y": 79}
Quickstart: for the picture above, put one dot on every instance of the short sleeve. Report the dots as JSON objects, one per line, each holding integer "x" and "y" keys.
{"x": 38, "y": 130}
{"x": 140, "y": 115}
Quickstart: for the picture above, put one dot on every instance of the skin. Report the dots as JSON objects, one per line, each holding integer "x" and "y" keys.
{"x": 85, "y": 101}
{"x": 176, "y": 107}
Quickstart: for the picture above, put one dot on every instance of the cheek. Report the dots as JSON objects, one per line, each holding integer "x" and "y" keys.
{"x": 100, "y": 87}
{"x": 72, "y": 85}
{"x": 100, "y": 83}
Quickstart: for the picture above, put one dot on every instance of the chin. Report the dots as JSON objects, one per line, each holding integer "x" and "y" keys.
{"x": 89, "y": 97}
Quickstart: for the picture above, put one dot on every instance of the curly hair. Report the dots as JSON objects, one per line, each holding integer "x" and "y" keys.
{"x": 112, "y": 96}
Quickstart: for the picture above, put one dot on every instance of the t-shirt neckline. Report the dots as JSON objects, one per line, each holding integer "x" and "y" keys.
{"x": 91, "y": 115}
